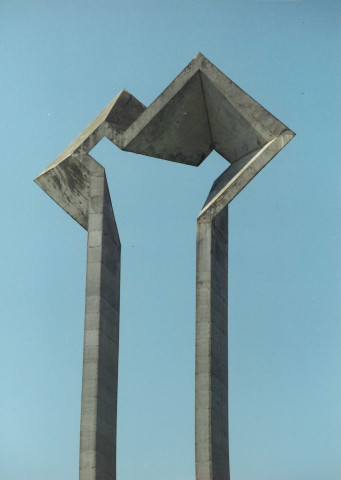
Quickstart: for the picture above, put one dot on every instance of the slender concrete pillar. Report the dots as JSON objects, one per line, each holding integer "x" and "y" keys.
{"x": 101, "y": 337}
{"x": 211, "y": 378}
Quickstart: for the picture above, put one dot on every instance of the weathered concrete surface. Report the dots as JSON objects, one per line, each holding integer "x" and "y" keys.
{"x": 66, "y": 179}
{"x": 211, "y": 379}
{"x": 80, "y": 176}
{"x": 179, "y": 131}
{"x": 101, "y": 337}
{"x": 239, "y": 174}
{"x": 199, "y": 111}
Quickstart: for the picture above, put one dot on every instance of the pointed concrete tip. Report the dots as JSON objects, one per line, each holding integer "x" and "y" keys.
{"x": 202, "y": 109}
{"x": 201, "y": 56}
{"x": 197, "y": 61}
{"x": 121, "y": 94}
{"x": 66, "y": 179}
{"x": 123, "y": 112}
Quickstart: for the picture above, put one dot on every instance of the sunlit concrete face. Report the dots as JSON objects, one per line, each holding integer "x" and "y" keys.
{"x": 101, "y": 335}
{"x": 200, "y": 111}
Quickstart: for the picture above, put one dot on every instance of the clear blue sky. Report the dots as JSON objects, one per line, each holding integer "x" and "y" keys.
{"x": 61, "y": 63}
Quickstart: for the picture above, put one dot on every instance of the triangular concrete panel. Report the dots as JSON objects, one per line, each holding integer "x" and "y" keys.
{"x": 180, "y": 130}
{"x": 220, "y": 116}
{"x": 233, "y": 136}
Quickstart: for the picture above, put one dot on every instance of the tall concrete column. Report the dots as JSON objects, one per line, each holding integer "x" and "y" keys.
{"x": 76, "y": 182}
{"x": 211, "y": 378}
{"x": 101, "y": 337}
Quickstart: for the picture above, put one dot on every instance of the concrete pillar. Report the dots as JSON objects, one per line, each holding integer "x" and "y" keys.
{"x": 200, "y": 110}
{"x": 211, "y": 378}
{"x": 101, "y": 337}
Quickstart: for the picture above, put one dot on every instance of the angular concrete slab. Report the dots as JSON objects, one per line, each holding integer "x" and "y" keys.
{"x": 179, "y": 131}
{"x": 239, "y": 174}
{"x": 66, "y": 179}
{"x": 202, "y": 109}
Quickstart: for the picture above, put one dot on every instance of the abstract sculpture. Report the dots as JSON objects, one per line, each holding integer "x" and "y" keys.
{"x": 200, "y": 111}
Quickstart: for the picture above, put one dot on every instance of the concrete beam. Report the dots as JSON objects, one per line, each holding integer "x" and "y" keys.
{"x": 227, "y": 186}
{"x": 201, "y": 110}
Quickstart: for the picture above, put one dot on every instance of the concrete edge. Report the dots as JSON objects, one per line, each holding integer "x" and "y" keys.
{"x": 242, "y": 174}
{"x": 161, "y": 101}
{"x": 66, "y": 179}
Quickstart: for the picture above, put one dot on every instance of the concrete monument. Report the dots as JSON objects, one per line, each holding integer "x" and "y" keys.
{"x": 200, "y": 111}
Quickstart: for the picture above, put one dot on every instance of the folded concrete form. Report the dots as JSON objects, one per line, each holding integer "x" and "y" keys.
{"x": 200, "y": 111}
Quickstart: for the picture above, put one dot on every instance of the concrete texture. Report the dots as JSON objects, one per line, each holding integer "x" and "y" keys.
{"x": 66, "y": 179}
{"x": 101, "y": 326}
{"x": 101, "y": 337}
{"x": 211, "y": 387}
{"x": 200, "y": 111}
{"x": 239, "y": 174}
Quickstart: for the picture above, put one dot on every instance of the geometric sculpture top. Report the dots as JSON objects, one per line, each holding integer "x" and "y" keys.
{"x": 200, "y": 111}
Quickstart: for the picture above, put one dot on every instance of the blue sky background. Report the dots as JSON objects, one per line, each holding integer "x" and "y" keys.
{"x": 61, "y": 63}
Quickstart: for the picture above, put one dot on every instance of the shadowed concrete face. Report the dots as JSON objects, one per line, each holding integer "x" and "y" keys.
{"x": 211, "y": 388}
{"x": 199, "y": 111}
{"x": 202, "y": 110}
{"x": 66, "y": 179}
